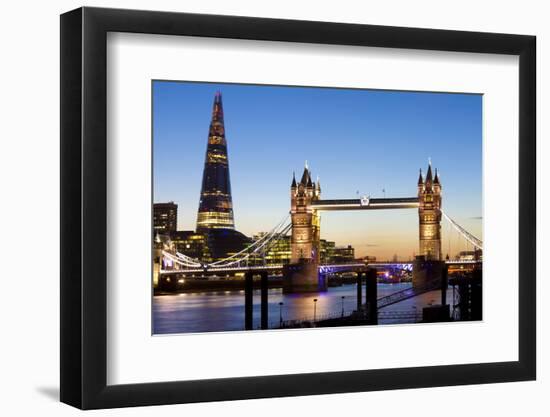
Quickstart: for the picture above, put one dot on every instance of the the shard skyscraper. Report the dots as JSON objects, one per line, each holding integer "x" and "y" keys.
{"x": 215, "y": 205}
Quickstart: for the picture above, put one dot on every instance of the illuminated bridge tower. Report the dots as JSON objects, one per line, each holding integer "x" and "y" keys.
{"x": 215, "y": 205}
{"x": 301, "y": 275}
{"x": 305, "y": 239}
{"x": 429, "y": 215}
{"x": 428, "y": 265}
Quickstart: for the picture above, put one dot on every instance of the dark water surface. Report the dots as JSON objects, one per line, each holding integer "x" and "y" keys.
{"x": 224, "y": 310}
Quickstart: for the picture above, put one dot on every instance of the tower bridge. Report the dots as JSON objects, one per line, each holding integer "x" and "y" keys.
{"x": 304, "y": 273}
{"x": 306, "y": 205}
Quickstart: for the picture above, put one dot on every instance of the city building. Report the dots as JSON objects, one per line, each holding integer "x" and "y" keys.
{"x": 280, "y": 252}
{"x": 223, "y": 243}
{"x": 470, "y": 255}
{"x": 191, "y": 244}
{"x": 343, "y": 254}
{"x": 165, "y": 217}
{"x": 215, "y": 204}
{"x": 210, "y": 245}
{"x": 215, "y": 215}
{"x": 326, "y": 251}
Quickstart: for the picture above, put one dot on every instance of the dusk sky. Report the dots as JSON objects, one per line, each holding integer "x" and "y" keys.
{"x": 355, "y": 140}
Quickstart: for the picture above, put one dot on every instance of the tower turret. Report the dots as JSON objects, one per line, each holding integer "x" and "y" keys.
{"x": 318, "y": 188}
{"x": 437, "y": 184}
{"x": 429, "y": 178}
{"x": 305, "y": 175}
{"x": 420, "y": 182}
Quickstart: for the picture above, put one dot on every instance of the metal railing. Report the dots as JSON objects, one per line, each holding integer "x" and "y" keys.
{"x": 349, "y": 315}
{"x": 311, "y": 320}
{"x": 399, "y": 296}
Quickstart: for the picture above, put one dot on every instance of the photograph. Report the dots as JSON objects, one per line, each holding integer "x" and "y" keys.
{"x": 294, "y": 207}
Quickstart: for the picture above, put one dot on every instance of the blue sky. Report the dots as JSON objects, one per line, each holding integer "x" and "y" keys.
{"x": 354, "y": 140}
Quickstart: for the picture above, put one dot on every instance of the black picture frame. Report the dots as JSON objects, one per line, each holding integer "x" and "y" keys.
{"x": 84, "y": 207}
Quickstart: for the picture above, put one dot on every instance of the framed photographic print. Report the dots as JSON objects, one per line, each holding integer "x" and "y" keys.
{"x": 258, "y": 208}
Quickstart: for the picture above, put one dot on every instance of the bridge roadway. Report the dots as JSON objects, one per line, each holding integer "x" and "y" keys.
{"x": 244, "y": 268}
{"x": 410, "y": 263}
{"x": 350, "y": 267}
{"x": 366, "y": 204}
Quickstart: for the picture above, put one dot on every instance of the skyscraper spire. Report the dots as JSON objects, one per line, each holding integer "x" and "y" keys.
{"x": 217, "y": 110}
{"x": 215, "y": 205}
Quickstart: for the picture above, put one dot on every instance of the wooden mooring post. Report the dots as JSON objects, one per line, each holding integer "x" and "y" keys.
{"x": 248, "y": 299}
{"x": 372, "y": 296}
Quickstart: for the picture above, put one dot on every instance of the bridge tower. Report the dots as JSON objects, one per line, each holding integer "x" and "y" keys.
{"x": 305, "y": 221}
{"x": 429, "y": 215}
{"x": 428, "y": 265}
{"x": 301, "y": 275}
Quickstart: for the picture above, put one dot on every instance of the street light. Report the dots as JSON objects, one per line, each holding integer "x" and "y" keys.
{"x": 314, "y": 310}
{"x": 281, "y": 314}
{"x": 343, "y": 305}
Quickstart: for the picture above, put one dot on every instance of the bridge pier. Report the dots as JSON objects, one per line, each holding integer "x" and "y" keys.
{"x": 303, "y": 277}
{"x": 441, "y": 312}
{"x": 426, "y": 271}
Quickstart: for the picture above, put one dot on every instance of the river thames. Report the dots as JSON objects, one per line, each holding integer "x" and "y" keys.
{"x": 219, "y": 311}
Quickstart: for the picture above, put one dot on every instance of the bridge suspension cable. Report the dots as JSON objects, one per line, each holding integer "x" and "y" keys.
{"x": 254, "y": 246}
{"x": 185, "y": 258}
{"x": 478, "y": 243}
{"x": 181, "y": 261}
{"x": 275, "y": 237}
{"x": 263, "y": 243}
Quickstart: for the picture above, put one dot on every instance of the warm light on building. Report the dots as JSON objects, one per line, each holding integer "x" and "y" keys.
{"x": 429, "y": 213}
{"x": 165, "y": 216}
{"x": 215, "y": 204}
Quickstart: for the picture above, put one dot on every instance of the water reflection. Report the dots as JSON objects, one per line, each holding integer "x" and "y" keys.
{"x": 224, "y": 310}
